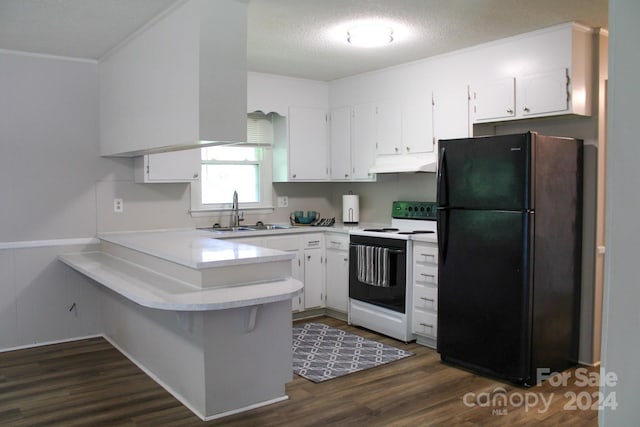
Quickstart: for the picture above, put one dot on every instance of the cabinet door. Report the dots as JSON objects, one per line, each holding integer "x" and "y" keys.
{"x": 363, "y": 143}
{"x": 417, "y": 124}
{"x": 174, "y": 166}
{"x": 341, "y": 143}
{"x": 296, "y": 273}
{"x": 388, "y": 129}
{"x": 494, "y": 100}
{"x": 451, "y": 112}
{"x": 290, "y": 244}
{"x": 543, "y": 93}
{"x": 313, "y": 278}
{"x": 337, "y": 279}
{"x": 307, "y": 144}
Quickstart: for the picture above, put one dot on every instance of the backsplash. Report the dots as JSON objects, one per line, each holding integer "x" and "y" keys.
{"x": 163, "y": 206}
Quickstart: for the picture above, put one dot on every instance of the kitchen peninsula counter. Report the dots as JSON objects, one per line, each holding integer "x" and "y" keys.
{"x": 208, "y": 319}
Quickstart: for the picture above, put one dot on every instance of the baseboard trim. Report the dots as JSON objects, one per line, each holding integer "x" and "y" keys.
{"x": 42, "y": 344}
{"x": 316, "y": 312}
{"x": 246, "y": 408}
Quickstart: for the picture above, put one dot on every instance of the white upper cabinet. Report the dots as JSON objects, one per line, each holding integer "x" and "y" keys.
{"x": 543, "y": 93}
{"x": 388, "y": 129}
{"x": 494, "y": 100}
{"x": 539, "y": 94}
{"x": 451, "y": 112}
{"x": 363, "y": 142}
{"x": 417, "y": 123}
{"x": 352, "y": 143}
{"x": 175, "y": 166}
{"x": 300, "y": 151}
{"x": 549, "y": 74}
{"x": 340, "y": 145}
{"x": 180, "y": 83}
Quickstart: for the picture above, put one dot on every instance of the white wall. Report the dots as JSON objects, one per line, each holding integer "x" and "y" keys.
{"x": 621, "y": 341}
{"x": 49, "y": 159}
{"x": 49, "y": 166}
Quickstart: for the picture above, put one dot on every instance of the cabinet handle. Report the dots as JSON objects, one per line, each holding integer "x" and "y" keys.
{"x": 195, "y": 175}
{"x": 346, "y": 259}
{"x": 427, "y": 275}
{"x": 408, "y": 149}
{"x": 509, "y": 110}
{"x": 397, "y": 149}
{"x": 426, "y": 325}
{"x": 427, "y": 299}
{"x": 293, "y": 176}
{"x": 346, "y": 175}
{"x": 525, "y": 109}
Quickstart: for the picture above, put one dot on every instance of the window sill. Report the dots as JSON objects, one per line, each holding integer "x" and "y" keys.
{"x": 209, "y": 211}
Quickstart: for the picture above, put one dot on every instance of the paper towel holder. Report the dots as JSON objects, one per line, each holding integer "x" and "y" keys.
{"x": 350, "y": 208}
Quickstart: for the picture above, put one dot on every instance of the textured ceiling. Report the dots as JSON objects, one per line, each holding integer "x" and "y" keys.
{"x": 297, "y": 37}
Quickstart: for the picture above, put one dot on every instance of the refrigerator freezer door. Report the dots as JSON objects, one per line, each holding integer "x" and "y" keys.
{"x": 484, "y": 291}
{"x": 486, "y": 173}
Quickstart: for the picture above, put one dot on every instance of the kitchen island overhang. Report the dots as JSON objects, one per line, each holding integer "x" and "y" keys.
{"x": 219, "y": 343}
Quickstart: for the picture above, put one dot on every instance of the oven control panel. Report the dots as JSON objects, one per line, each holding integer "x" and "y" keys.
{"x": 414, "y": 210}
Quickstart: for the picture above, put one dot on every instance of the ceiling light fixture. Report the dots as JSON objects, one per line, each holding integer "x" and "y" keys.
{"x": 370, "y": 35}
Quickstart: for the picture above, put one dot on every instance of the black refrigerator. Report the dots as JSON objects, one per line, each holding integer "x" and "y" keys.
{"x": 509, "y": 268}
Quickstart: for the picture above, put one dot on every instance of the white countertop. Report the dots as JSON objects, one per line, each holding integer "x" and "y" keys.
{"x": 427, "y": 238}
{"x": 197, "y": 249}
{"x": 154, "y": 290}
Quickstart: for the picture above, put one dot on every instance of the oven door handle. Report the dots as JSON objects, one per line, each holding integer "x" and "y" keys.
{"x": 391, "y": 251}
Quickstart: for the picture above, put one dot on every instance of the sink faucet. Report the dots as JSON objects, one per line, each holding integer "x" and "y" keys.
{"x": 235, "y": 218}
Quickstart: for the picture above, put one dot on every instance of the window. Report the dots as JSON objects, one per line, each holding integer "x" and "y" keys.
{"x": 245, "y": 168}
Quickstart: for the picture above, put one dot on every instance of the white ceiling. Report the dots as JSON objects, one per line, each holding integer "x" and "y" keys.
{"x": 294, "y": 37}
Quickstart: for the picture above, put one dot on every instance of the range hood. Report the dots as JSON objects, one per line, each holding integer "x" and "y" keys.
{"x": 178, "y": 83}
{"x": 424, "y": 162}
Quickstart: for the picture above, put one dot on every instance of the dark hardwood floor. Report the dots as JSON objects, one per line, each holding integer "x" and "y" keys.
{"x": 90, "y": 383}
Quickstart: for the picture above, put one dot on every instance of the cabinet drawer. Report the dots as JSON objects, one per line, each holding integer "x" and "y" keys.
{"x": 425, "y": 254}
{"x": 425, "y": 274}
{"x": 425, "y": 298}
{"x": 311, "y": 241}
{"x": 337, "y": 241}
{"x": 425, "y": 323}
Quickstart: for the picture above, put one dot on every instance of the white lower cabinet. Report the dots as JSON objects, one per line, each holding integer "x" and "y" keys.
{"x": 313, "y": 252}
{"x": 307, "y": 266}
{"x": 425, "y": 293}
{"x": 337, "y": 272}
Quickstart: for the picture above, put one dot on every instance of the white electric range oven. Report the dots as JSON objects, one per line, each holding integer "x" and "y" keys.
{"x": 380, "y": 270}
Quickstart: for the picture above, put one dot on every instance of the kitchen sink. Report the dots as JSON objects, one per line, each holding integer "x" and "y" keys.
{"x": 258, "y": 227}
{"x": 269, "y": 227}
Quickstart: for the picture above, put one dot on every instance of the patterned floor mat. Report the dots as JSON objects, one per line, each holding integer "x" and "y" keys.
{"x": 321, "y": 352}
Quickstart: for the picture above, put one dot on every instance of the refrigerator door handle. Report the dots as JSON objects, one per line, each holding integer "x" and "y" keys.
{"x": 443, "y": 215}
{"x": 442, "y": 196}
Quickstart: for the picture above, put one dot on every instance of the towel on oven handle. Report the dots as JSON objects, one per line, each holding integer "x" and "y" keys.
{"x": 372, "y": 266}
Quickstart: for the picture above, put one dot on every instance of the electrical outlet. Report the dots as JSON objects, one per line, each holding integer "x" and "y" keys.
{"x": 118, "y": 205}
{"x": 283, "y": 201}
